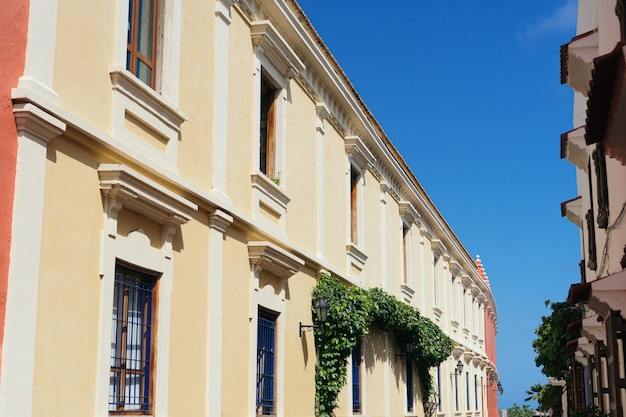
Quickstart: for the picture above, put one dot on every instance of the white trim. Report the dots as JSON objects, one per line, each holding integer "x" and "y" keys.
{"x": 271, "y": 198}
{"x": 322, "y": 114}
{"x": 384, "y": 187}
{"x": 131, "y": 97}
{"x": 169, "y": 25}
{"x": 35, "y": 128}
{"x": 218, "y": 221}
{"x": 123, "y": 187}
{"x": 356, "y": 259}
{"x": 40, "y": 49}
{"x": 144, "y": 195}
{"x": 267, "y": 298}
{"x": 358, "y": 153}
{"x": 220, "y": 119}
{"x": 266, "y": 39}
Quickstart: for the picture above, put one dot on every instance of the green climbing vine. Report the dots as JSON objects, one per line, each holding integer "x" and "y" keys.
{"x": 353, "y": 311}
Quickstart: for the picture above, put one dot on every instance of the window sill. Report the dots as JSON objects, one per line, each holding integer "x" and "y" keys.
{"x": 407, "y": 292}
{"x": 269, "y": 201}
{"x": 356, "y": 261}
{"x": 144, "y": 119}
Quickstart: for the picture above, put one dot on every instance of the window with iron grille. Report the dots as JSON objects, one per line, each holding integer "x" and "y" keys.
{"x": 456, "y": 392}
{"x": 356, "y": 379}
{"x": 265, "y": 363}
{"x": 141, "y": 40}
{"x": 475, "y": 393}
{"x": 409, "y": 385}
{"x": 130, "y": 385}
{"x": 438, "y": 387}
{"x": 467, "y": 399}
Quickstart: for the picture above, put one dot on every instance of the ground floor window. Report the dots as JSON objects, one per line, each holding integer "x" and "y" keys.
{"x": 130, "y": 385}
{"x": 265, "y": 363}
{"x": 409, "y": 385}
{"x": 356, "y": 379}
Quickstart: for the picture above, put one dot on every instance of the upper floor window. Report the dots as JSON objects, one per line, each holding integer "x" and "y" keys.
{"x": 354, "y": 203}
{"x": 267, "y": 128}
{"x": 436, "y": 265}
{"x": 130, "y": 386}
{"x": 141, "y": 40}
{"x": 405, "y": 252}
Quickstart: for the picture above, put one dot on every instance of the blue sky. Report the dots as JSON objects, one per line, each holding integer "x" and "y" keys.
{"x": 469, "y": 92}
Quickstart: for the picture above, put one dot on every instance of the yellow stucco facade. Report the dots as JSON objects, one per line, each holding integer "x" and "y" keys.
{"x": 165, "y": 180}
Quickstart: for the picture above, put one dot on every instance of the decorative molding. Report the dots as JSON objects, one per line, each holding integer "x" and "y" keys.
{"x": 33, "y": 122}
{"x": 151, "y": 112}
{"x": 266, "y": 38}
{"x": 222, "y": 10}
{"x": 455, "y": 268}
{"x": 143, "y": 195}
{"x": 466, "y": 281}
{"x": 358, "y": 152}
{"x": 268, "y": 257}
{"x": 220, "y": 220}
{"x": 356, "y": 258}
{"x": 574, "y": 148}
{"x": 437, "y": 313}
{"x": 408, "y": 212}
{"x": 268, "y": 196}
{"x": 438, "y": 248}
{"x": 407, "y": 292}
{"x": 322, "y": 114}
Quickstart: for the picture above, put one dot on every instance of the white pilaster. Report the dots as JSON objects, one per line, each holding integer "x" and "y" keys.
{"x": 220, "y": 132}
{"x": 218, "y": 221}
{"x": 384, "y": 187}
{"x": 322, "y": 114}
{"x": 35, "y": 128}
{"x": 40, "y": 49}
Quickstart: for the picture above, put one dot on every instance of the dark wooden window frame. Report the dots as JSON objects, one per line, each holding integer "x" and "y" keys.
{"x": 405, "y": 266}
{"x": 135, "y": 20}
{"x": 355, "y": 177}
{"x": 267, "y": 127}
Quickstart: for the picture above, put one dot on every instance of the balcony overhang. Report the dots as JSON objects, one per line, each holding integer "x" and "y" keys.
{"x": 577, "y": 60}
{"x": 574, "y": 148}
{"x": 606, "y": 107}
{"x": 602, "y": 295}
{"x": 573, "y": 210}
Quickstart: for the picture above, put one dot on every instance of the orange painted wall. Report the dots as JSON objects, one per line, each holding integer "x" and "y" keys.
{"x": 13, "y": 34}
{"x": 490, "y": 348}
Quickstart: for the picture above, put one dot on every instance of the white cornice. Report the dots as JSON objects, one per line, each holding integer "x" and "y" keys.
{"x": 266, "y": 38}
{"x": 408, "y": 212}
{"x": 356, "y": 149}
{"x": 143, "y": 195}
{"x": 271, "y": 258}
{"x": 36, "y": 122}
